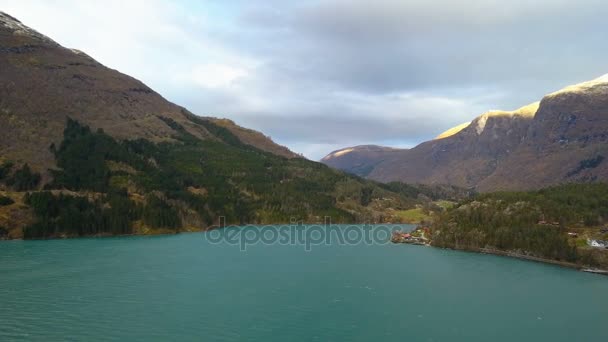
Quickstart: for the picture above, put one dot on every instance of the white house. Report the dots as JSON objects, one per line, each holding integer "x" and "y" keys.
{"x": 597, "y": 243}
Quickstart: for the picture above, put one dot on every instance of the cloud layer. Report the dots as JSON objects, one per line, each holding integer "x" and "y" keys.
{"x": 320, "y": 75}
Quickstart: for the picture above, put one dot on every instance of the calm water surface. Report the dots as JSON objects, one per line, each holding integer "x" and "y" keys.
{"x": 173, "y": 288}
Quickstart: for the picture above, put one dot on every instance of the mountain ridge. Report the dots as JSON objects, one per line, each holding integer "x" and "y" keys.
{"x": 358, "y": 160}
{"x": 538, "y": 145}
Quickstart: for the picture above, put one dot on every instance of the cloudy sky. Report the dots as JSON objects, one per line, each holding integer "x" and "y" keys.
{"x": 320, "y": 75}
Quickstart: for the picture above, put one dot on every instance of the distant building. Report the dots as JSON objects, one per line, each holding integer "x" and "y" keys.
{"x": 597, "y": 243}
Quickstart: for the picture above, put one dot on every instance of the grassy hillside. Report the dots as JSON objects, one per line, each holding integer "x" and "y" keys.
{"x": 535, "y": 223}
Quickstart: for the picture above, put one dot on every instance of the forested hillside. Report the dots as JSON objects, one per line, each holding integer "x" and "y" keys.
{"x": 104, "y": 186}
{"x": 553, "y": 223}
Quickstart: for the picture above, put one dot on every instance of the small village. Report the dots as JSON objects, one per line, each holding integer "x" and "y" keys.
{"x": 418, "y": 236}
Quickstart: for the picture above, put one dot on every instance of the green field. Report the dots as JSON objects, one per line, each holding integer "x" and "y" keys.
{"x": 416, "y": 215}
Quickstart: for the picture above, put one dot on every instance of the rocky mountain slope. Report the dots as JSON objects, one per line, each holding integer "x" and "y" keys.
{"x": 86, "y": 150}
{"x": 42, "y": 83}
{"x": 561, "y": 139}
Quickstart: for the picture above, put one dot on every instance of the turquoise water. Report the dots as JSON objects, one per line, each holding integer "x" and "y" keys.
{"x": 178, "y": 288}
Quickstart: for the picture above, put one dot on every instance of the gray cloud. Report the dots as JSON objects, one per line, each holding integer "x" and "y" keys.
{"x": 479, "y": 54}
{"x": 396, "y": 46}
{"x": 319, "y": 75}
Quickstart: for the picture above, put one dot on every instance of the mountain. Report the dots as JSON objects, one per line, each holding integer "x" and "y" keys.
{"x": 87, "y": 150}
{"x": 561, "y": 139}
{"x": 43, "y": 83}
{"x": 358, "y": 160}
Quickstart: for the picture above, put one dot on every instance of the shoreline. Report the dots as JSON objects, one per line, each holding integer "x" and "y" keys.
{"x": 565, "y": 264}
{"x": 161, "y": 231}
{"x": 410, "y": 239}
{"x": 102, "y": 236}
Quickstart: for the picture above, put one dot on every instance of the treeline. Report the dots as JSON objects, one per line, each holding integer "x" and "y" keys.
{"x": 113, "y": 213}
{"x": 58, "y": 215}
{"x": 82, "y": 158}
{"x": 21, "y": 179}
{"x": 213, "y": 177}
{"x": 569, "y": 204}
{"x": 158, "y": 213}
{"x": 432, "y": 192}
{"x": 533, "y": 223}
{"x": 496, "y": 225}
